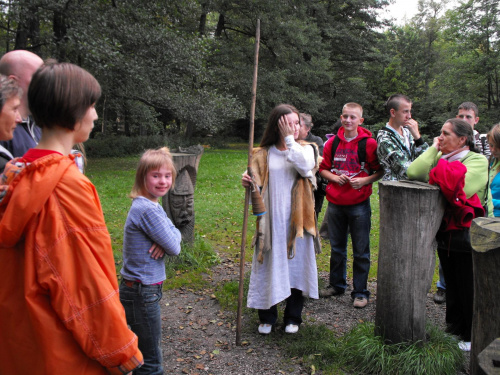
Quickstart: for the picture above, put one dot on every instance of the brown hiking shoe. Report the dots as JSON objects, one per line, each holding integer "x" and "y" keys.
{"x": 330, "y": 291}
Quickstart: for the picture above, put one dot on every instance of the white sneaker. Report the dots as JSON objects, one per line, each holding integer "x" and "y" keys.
{"x": 291, "y": 328}
{"x": 265, "y": 329}
{"x": 464, "y": 346}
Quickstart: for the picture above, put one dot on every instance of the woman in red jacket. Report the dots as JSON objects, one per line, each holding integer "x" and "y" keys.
{"x": 453, "y": 163}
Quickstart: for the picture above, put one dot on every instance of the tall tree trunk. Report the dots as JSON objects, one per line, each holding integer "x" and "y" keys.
{"x": 203, "y": 19}
{"x": 220, "y": 26}
{"x": 28, "y": 28}
{"x": 60, "y": 29}
{"x": 189, "y": 129}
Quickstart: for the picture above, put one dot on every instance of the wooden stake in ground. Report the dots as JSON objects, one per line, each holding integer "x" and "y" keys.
{"x": 257, "y": 204}
{"x": 410, "y": 215}
{"x": 485, "y": 241}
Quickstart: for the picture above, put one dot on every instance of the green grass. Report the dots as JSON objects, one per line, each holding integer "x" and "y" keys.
{"x": 185, "y": 270}
{"x": 361, "y": 352}
{"x": 226, "y": 294}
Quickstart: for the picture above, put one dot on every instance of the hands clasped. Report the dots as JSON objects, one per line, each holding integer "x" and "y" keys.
{"x": 355, "y": 182}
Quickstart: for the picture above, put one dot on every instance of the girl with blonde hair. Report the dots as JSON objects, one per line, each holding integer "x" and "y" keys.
{"x": 148, "y": 236}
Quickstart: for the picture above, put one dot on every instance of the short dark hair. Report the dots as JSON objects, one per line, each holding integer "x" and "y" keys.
{"x": 394, "y": 101}
{"x": 463, "y": 129}
{"x": 469, "y": 106}
{"x": 8, "y": 89}
{"x": 61, "y": 93}
{"x": 272, "y": 133}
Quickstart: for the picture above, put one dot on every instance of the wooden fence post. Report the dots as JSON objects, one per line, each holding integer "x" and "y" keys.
{"x": 485, "y": 241}
{"x": 410, "y": 215}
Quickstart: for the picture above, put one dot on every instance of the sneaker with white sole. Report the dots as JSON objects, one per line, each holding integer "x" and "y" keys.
{"x": 360, "y": 302}
{"x": 291, "y": 328}
{"x": 265, "y": 329}
{"x": 464, "y": 346}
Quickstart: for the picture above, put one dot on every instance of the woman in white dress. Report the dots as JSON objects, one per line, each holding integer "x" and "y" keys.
{"x": 286, "y": 242}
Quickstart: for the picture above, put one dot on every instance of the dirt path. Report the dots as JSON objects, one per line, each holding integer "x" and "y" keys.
{"x": 199, "y": 338}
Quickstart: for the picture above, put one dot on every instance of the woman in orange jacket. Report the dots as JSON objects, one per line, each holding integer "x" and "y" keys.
{"x": 60, "y": 311}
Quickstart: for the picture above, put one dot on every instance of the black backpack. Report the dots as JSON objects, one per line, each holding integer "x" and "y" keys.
{"x": 323, "y": 183}
{"x": 361, "y": 150}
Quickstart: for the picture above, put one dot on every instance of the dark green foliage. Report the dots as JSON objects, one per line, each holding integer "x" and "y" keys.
{"x": 185, "y": 67}
{"x": 119, "y": 146}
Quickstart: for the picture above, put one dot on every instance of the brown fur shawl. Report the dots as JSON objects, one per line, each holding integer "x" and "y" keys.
{"x": 303, "y": 217}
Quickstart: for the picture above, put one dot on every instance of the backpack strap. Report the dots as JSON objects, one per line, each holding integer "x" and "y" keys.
{"x": 361, "y": 152}
{"x": 335, "y": 144}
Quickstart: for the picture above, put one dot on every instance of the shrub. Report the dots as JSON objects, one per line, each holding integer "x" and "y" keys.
{"x": 119, "y": 146}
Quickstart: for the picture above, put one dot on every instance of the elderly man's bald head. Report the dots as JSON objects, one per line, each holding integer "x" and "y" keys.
{"x": 20, "y": 65}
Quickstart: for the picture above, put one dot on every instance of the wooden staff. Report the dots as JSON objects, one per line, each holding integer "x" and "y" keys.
{"x": 252, "y": 191}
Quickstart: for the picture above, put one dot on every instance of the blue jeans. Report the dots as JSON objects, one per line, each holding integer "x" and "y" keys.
{"x": 441, "y": 283}
{"x": 142, "y": 309}
{"x": 355, "y": 219}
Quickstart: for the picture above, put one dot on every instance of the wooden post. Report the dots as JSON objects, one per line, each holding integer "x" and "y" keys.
{"x": 489, "y": 358}
{"x": 410, "y": 215}
{"x": 485, "y": 241}
{"x": 178, "y": 203}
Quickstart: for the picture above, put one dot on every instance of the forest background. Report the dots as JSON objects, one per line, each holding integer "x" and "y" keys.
{"x": 181, "y": 70}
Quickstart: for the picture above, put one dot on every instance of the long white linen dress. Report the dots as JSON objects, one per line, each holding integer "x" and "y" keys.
{"x": 271, "y": 281}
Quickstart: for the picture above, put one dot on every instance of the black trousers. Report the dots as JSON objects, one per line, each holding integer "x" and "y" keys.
{"x": 293, "y": 310}
{"x": 459, "y": 276}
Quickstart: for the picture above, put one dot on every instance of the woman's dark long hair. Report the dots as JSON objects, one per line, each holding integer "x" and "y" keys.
{"x": 272, "y": 133}
{"x": 463, "y": 129}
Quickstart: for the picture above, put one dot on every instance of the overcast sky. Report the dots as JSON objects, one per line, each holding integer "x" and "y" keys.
{"x": 403, "y": 10}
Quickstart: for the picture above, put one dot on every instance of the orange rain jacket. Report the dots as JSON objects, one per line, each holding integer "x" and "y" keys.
{"x": 60, "y": 311}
